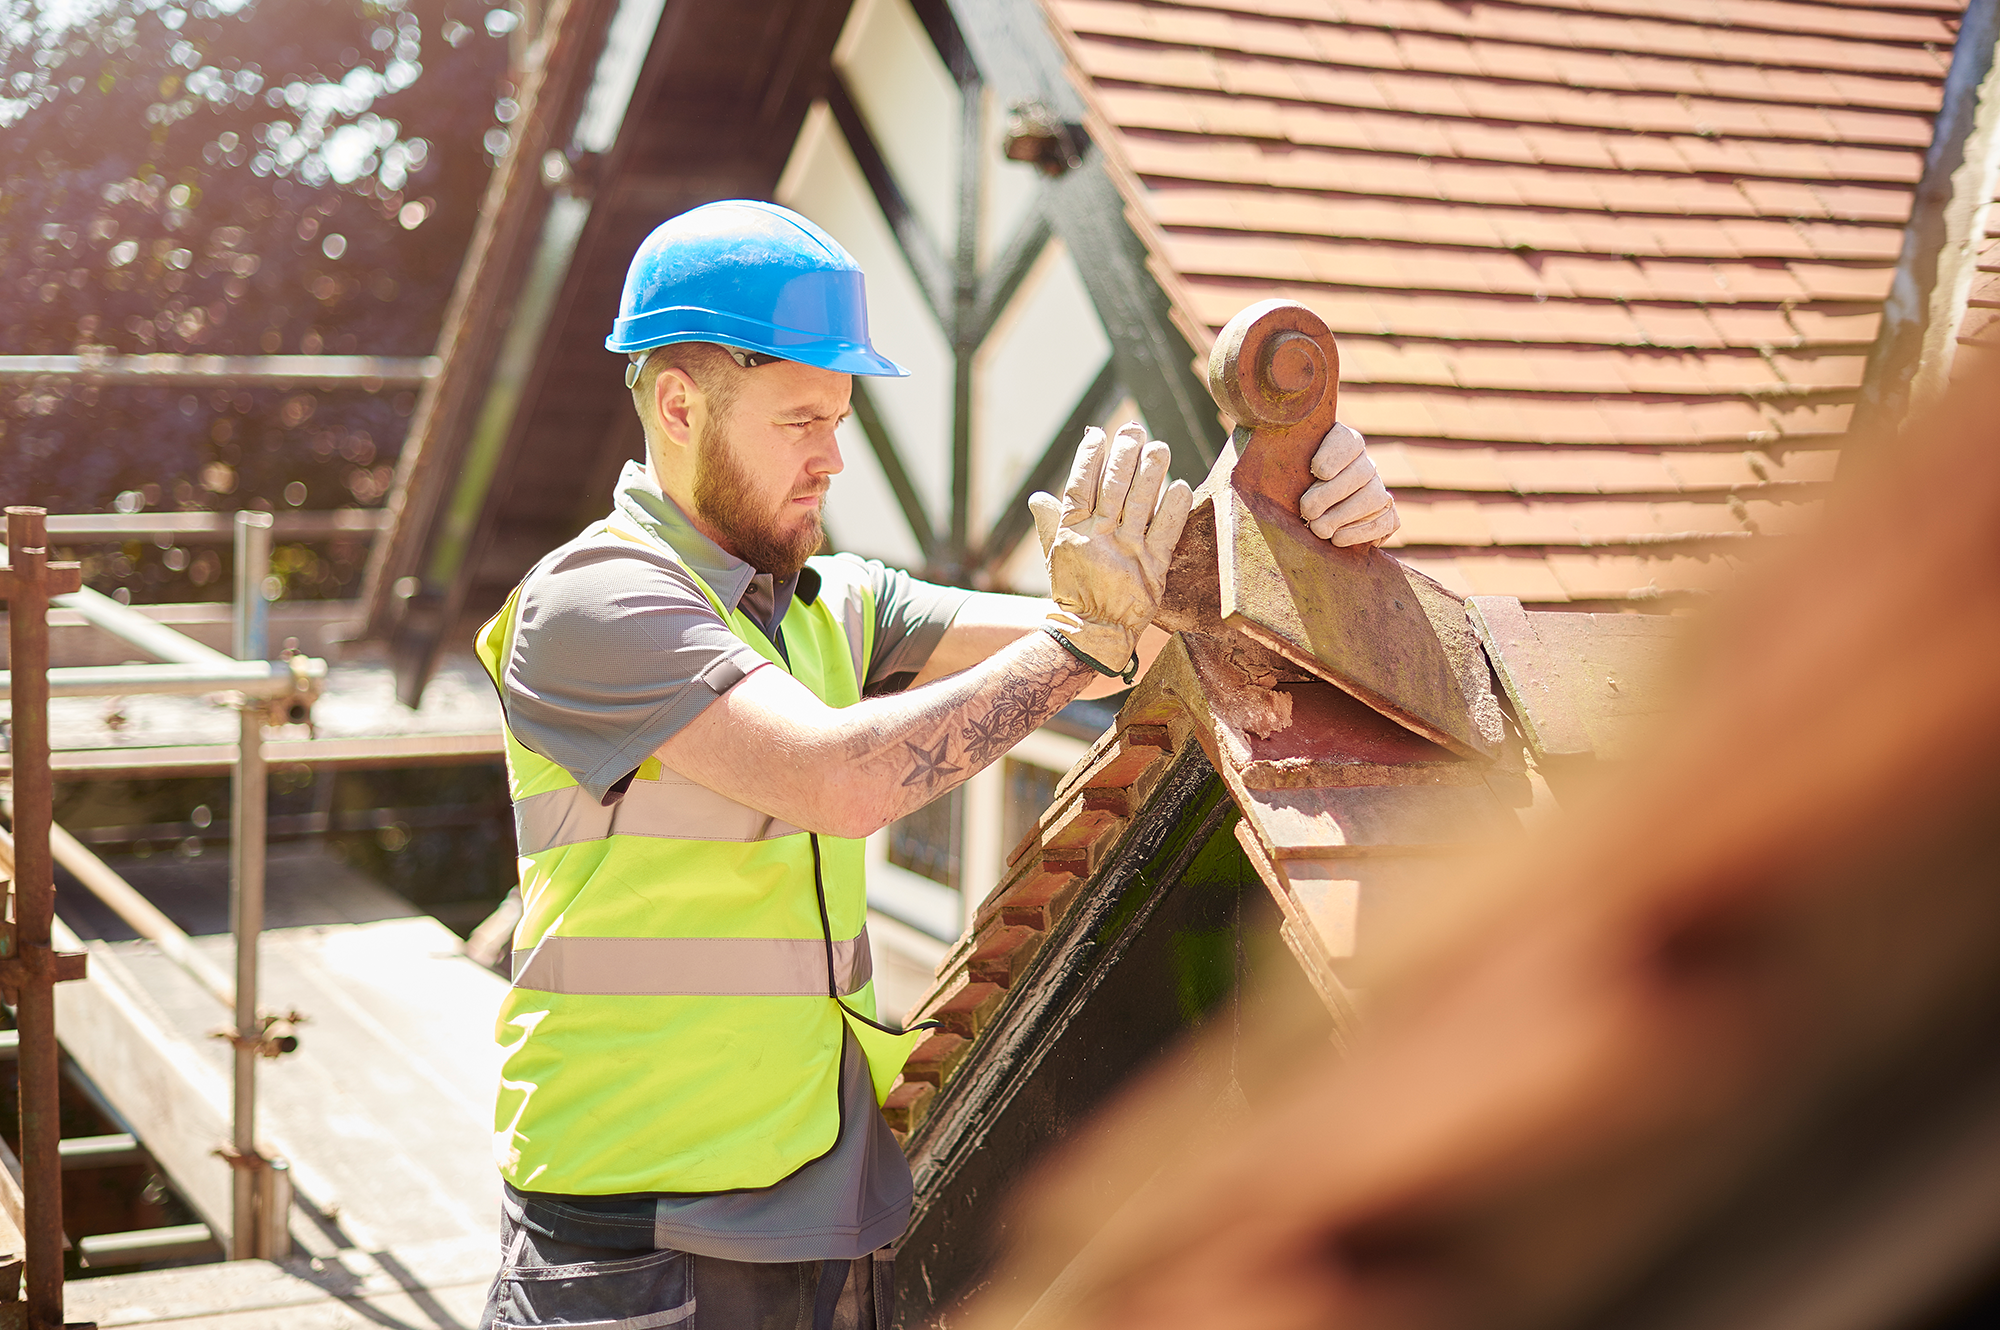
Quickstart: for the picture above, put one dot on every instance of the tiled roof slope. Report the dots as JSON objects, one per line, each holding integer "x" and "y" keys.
{"x": 1604, "y": 273}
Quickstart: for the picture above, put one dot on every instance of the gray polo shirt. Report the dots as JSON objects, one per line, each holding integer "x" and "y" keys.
{"x": 616, "y": 650}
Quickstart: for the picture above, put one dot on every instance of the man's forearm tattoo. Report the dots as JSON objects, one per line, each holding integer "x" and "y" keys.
{"x": 929, "y": 765}
{"x": 1018, "y": 705}
{"x": 986, "y": 721}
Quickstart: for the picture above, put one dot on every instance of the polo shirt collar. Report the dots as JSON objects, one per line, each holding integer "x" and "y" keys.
{"x": 641, "y": 500}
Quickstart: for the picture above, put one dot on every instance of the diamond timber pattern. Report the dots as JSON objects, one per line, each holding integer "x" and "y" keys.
{"x": 1604, "y": 273}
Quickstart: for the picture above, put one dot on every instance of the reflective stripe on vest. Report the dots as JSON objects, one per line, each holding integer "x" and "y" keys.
{"x": 693, "y": 966}
{"x": 669, "y": 807}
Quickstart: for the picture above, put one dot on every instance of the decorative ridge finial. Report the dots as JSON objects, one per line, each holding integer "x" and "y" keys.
{"x": 1273, "y": 364}
{"x": 1276, "y": 372}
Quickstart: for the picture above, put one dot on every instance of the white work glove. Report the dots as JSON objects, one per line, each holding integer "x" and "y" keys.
{"x": 1108, "y": 543}
{"x": 1350, "y": 505}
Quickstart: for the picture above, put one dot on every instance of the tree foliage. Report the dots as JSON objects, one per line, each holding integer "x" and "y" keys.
{"x": 231, "y": 177}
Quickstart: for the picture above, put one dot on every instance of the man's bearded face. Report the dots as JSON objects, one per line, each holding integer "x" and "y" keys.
{"x": 753, "y": 523}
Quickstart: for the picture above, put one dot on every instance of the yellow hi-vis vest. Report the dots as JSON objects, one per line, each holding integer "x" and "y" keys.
{"x": 684, "y": 966}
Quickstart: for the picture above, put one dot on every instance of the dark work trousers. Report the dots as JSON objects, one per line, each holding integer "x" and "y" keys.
{"x": 545, "y": 1281}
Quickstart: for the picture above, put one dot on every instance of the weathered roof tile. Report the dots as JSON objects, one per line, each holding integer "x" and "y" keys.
{"x": 1595, "y": 247}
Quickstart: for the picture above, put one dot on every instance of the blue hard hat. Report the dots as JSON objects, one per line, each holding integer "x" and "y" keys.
{"x": 750, "y": 275}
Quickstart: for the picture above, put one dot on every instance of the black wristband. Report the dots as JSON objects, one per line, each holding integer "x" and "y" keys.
{"x": 1130, "y": 674}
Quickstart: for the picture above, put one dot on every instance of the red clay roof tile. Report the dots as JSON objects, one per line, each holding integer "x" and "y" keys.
{"x": 1824, "y": 281}
{"x": 1585, "y": 471}
{"x": 1512, "y": 319}
{"x": 1925, "y": 21}
{"x": 1525, "y": 574}
{"x": 1641, "y": 29}
{"x": 1416, "y": 468}
{"x": 1550, "y": 523}
{"x": 1613, "y": 249}
{"x": 1639, "y": 575}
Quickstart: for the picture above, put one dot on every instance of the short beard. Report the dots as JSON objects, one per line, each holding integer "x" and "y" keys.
{"x": 722, "y": 493}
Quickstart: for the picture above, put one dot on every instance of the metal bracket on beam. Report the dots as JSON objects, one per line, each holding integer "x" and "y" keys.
{"x": 33, "y": 961}
{"x": 277, "y": 1035}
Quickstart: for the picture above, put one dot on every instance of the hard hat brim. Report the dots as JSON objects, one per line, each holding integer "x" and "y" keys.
{"x": 843, "y": 360}
{"x": 667, "y": 327}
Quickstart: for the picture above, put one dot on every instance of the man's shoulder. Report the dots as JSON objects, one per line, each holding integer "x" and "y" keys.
{"x": 610, "y": 555}
{"x": 846, "y": 579}
{"x": 605, "y": 575}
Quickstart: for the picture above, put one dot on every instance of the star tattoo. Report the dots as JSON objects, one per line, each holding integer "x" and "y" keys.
{"x": 1017, "y": 706}
{"x": 931, "y": 765}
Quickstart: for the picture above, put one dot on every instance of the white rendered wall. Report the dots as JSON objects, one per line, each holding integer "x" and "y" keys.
{"x": 911, "y": 104}
{"x": 1034, "y": 365}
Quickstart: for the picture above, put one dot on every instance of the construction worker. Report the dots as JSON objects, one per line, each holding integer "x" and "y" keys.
{"x": 703, "y": 724}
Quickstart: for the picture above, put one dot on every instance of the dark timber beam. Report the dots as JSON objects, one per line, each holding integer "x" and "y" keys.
{"x": 945, "y": 35}
{"x": 965, "y": 333}
{"x": 1020, "y": 61}
{"x": 920, "y": 250}
{"x": 558, "y": 69}
{"x": 876, "y": 430}
{"x": 1008, "y": 270}
{"x": 1912, "y": 356}
{"x": 715, "y": 101}
{"x": 524, "y": 364}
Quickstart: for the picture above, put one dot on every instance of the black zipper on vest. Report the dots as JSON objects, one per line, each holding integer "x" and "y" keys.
{"x": 826, "y": 934}
{"x": 819, "y": 894}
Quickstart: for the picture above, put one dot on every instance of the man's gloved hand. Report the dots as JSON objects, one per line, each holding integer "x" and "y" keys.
{"x": 1350, "y": 505}
{"x": 1108, "y": 542}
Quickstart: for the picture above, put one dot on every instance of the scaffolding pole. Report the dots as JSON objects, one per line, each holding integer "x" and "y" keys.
{"x": 258, "y": 1220}
{"x": 30, "y": 967}
{"x": 261, "y": 1194}
{"x": 253, "y": 679}
{"x": 369, "y": 373}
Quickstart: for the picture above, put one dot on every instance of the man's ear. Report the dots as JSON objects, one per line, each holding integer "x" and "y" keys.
{"x": 677, "y": 398}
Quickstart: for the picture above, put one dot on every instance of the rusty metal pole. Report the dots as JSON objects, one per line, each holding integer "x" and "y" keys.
{"x": 248, "y": 806}
{"x": 28, "y": 583}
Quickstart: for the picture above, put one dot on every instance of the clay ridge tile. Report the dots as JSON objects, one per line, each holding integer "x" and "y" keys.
{"x": 1046, "y": 872}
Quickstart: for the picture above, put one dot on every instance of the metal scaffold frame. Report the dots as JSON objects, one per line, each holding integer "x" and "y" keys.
{"x": 29, "y": 965}
{"x": 264, "y": 692}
